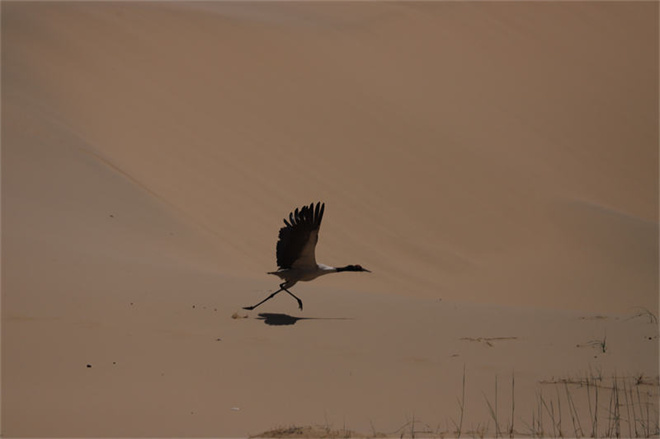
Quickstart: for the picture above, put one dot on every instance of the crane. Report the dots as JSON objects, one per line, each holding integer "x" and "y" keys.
{"x": 295, "y": 251}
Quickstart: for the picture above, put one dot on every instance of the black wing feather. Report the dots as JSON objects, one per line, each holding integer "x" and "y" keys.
{"x": 292, "y": 238}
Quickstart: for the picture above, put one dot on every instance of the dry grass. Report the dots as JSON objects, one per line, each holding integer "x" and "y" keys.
{"x": 488, "y": 341}
{"x": 618, "y": 406}
{"x": 600, "y": 344}
{"x": 307, "y": 432}
{"x": 644, "y": 312}
{"x": 589, "y": 406}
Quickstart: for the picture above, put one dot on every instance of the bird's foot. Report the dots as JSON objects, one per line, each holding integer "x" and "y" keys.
{"x": 249, "y": 308}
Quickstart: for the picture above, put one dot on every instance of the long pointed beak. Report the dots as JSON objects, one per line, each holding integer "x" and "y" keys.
{"x": 368, "y": 271}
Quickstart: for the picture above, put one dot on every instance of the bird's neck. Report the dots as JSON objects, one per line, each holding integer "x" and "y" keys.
{"x": 326, "y": 268}
{"x": 346, "y": 268}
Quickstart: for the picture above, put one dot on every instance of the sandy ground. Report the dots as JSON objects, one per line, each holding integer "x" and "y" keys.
{"x": 495, "y": 166}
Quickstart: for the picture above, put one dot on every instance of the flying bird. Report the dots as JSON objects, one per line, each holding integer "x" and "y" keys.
{"x": 295, "y": 251}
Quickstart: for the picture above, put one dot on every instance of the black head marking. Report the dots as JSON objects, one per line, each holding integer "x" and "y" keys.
{"x": 353, "y": 268}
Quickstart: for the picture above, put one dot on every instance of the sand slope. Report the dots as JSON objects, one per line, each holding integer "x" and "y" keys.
{"x": 494, "y": 165}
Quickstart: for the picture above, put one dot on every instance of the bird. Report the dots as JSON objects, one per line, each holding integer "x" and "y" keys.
{"x": 295, "y": 251}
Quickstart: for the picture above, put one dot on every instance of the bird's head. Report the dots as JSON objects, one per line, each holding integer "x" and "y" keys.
{"x": 353, "y": 268}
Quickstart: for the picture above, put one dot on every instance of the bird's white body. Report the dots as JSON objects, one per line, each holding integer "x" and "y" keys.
{"x": 303, "y": 273}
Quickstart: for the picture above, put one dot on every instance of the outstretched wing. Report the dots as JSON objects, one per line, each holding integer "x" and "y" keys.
{"x": 297, "y": 241}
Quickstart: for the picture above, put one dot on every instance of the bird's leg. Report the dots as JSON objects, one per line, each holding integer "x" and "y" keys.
{"x": 249, "y": 308}
{"x": 295, "y": 297}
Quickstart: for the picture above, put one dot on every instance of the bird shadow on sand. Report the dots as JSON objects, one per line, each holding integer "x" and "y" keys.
{"x": 276, "y": 319}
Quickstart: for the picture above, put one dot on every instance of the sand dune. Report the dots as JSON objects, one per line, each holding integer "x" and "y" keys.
{"x": 494, "y": 165}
